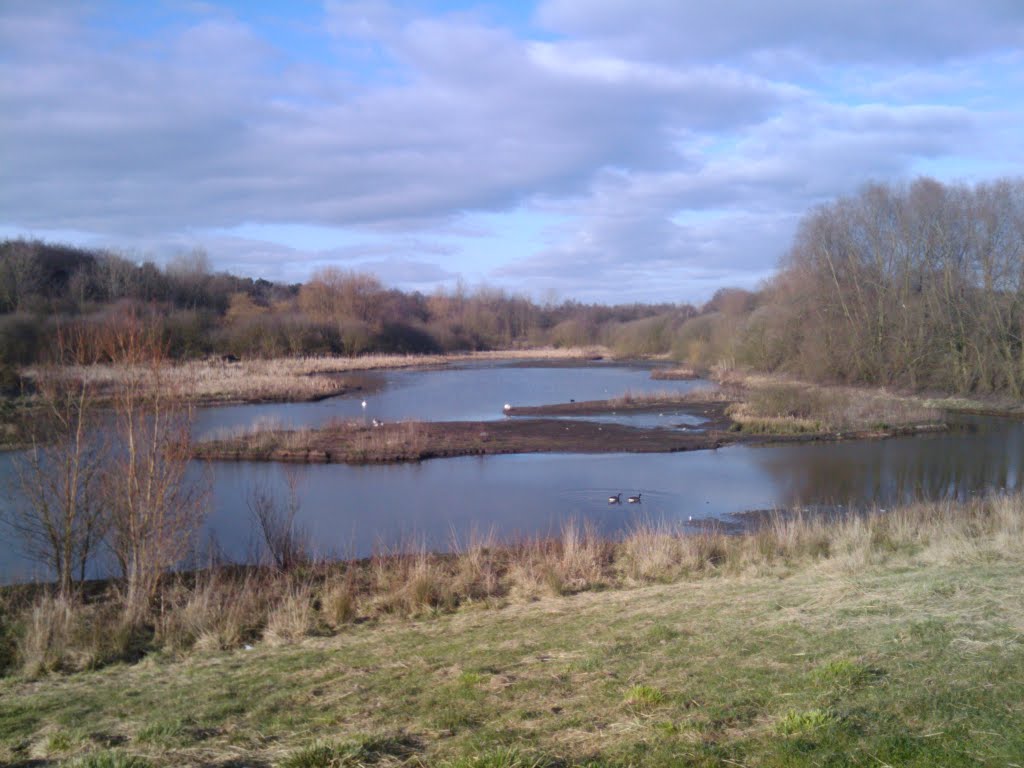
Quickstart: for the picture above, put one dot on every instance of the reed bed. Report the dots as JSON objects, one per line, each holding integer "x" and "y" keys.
{"x": 294, "y": 378}
{"x": 231, "y": 606}
{"x": 671, "y": 397}
{"x": 777, "y": 405}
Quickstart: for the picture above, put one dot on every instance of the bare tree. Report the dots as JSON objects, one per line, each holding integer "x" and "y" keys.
{"x": 286, "y": 542}
{"x": 156, "y": 508}
{"x": 56, "y": 508}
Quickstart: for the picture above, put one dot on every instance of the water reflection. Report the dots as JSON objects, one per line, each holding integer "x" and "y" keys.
{"x": 979, "y": 455}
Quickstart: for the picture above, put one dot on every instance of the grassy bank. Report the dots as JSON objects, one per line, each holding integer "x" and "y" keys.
{"x": 771, "y": 404}
{"x": 890, "y": 640}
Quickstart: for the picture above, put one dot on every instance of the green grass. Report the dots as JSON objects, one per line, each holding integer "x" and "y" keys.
{"x": 909, "y": 657}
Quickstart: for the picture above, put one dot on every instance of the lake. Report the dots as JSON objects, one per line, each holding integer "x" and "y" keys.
{"x": 355, "y": 510}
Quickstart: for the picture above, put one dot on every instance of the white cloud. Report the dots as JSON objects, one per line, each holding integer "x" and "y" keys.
{"x": 628, "y": 120}
{"x": 838, "y": 30}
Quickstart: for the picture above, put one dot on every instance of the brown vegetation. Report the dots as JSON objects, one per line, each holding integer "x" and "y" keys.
{"x": 679, "y": 373}
{"x": 225, "y": 607}
{"x": 59, "y": 518}
{"x": 779, "y": 405}
{"x": 292, "y": 379}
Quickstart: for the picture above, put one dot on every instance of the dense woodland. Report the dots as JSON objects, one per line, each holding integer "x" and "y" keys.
{"x": 918, "y": 285}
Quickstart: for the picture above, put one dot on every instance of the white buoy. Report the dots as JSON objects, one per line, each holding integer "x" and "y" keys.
{"x": 364, "y": 403}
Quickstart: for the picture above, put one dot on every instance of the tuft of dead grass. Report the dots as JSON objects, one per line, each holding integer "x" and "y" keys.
{"x": 292, "y": 618}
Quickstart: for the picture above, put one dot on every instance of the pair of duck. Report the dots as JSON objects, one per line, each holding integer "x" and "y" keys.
{"x": 617, "y": 499}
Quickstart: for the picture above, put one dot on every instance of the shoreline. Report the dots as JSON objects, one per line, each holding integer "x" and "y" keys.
{"x": 414, "y": 441}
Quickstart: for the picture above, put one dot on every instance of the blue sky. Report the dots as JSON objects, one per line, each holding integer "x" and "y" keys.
{"x": 600, "y": 150}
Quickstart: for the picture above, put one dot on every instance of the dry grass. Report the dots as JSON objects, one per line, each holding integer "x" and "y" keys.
{"x": 223, "y": 609}
{"x": 406, "y": 438}
{"x": 339, "y": 604}
{"x": 776, "y": 405}
{"x": 215, "y": 613}
{"x": 292, "y": 618}
{"x": 670, "y": 397}
{"x": 680, "y": 373}
{"x": 296, "y": 378}
{"x": 64, "y": 634}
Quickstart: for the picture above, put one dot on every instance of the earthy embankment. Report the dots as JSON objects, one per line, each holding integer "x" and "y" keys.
{"x": 891, "y": 640}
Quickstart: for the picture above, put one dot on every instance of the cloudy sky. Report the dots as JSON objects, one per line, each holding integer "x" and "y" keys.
{"x": 610, "y": 150}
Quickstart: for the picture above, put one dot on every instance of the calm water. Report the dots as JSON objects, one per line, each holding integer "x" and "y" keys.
{"x": 465, "y": 393}
{"x": 353, "y": 510}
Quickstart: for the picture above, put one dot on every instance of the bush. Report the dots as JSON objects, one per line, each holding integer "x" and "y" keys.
{"x": 188, "y": 334}
{"x": 405, "y": 339}
{"x": 21, "y": 339}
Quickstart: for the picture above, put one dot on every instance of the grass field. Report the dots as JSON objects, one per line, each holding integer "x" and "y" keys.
{"x": 884, "y": 644}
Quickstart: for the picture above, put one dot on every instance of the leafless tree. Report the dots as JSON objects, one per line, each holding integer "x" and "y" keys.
{"x": 56, "y": 508}
{"x": 286, "y": 542}
{"x": 919, "y": 285}
{"x": 155, "y": 506}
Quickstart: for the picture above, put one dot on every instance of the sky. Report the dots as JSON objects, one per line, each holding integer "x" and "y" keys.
{"x": 595, "y": 150}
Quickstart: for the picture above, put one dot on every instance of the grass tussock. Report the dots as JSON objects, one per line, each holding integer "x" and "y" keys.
{"x": 65, "y": 634}
{"x": 224, "y": 609}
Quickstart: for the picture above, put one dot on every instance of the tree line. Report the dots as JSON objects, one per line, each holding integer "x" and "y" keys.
{"x": 919, "y": 285}
{"x": 341, "y": 312}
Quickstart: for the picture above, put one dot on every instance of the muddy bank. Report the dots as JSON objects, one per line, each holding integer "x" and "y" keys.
{"x": 416, "y": 441}
{"x": 713, "y": 412}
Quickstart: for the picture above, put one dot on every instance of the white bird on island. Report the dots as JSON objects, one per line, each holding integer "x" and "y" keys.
{"x": 507, "y": 407}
